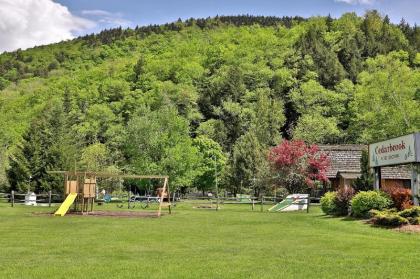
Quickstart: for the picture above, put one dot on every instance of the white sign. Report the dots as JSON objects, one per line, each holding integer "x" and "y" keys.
{"x": 402, "y": 150}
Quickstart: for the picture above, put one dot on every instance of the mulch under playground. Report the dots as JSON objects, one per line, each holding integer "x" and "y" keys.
{"x": 151, "y": 214}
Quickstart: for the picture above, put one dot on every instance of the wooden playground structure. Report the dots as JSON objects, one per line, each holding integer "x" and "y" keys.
{"x": 80, "y": 189}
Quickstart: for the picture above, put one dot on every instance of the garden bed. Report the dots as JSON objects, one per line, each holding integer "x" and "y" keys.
{"x": 408, "y": 228}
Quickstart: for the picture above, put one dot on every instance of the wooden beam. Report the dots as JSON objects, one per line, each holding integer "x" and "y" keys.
{"x": 100, "y": 174}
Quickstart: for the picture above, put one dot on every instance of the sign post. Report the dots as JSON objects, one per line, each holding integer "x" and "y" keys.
{"x": 378, "y": 178}
{"x": 398, "y": 151}
{"x": 415, "y": 184}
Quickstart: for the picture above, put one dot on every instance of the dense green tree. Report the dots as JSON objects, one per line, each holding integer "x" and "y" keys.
{"x": 95, "y": 157}
{"x": 249, "y": 162}
{"x": 3, "y": 83}
{"x": 381, "y": 36}
{"x": 315, "y": 128}
{"x": 39, "y": 152}
{"x": 351, "y": 44}
{"x": 4, "y": 183}
{"x": 269, "y": 118}
{"x": 211, "y": 165}
{"x": 215, "y": 130}
{"x": 385, "y": 102}
{"x": 311, "y": 96}
{"x": 313, "y": 43}
{"x": 158, "y": 142}
{"x": 139, "y": 69}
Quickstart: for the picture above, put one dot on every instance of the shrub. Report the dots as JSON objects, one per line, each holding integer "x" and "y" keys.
{"x": 328, "y": 205}
{"x": 414, "y": 220}
{"x": 363, "y": 202}
{"x": 401, "y": 197}
{"x": 392, "y": 218}
{"x": 374, "y": 212}
{"x": 387, "y": 218}
{"x": 413, "y": 212}
{"x": 343, "y": 199}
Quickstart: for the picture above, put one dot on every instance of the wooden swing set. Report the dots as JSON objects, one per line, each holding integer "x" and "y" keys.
{"x": 84, "y": 186}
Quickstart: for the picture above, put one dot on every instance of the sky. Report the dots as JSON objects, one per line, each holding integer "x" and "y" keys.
{"x": 27, "y": 23}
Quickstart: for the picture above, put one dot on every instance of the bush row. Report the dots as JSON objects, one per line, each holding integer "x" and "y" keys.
{"x": 401, "y": 197}
{"x": 345, "y": 202}
{"x": 364, "y": 202}
{"x": 337, "y": 203}
{"x": 393, "y": 218}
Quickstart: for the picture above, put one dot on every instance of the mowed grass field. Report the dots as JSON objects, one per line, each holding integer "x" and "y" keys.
{"x": 192, "y": 243}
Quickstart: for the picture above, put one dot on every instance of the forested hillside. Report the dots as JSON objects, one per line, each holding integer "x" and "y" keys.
{"x": 187, "y": 97}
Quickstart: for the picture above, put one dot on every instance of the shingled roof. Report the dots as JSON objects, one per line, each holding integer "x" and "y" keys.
{"x": 345, "y": 158}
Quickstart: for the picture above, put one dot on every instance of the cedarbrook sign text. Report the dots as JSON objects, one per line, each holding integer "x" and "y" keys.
{"x": 402, "y": 150}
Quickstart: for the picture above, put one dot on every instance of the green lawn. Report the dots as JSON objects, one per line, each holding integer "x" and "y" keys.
{"x": 232, "y": 243}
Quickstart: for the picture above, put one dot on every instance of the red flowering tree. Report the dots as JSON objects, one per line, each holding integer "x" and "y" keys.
{"x": 298, "y": 165}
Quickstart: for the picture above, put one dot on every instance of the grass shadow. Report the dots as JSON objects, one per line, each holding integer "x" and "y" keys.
{"x": 342, "y": 218}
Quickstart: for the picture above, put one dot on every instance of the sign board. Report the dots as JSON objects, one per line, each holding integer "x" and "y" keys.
{"x": 401, "y": 150}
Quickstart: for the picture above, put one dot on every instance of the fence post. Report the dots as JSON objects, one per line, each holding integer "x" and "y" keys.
{"x": 262, "y": 203}
{"x": 308, "y": 203}
{"x": 253, "y": 204}
{"x": 49, "y": 198}
{"x": 13, "y": 198}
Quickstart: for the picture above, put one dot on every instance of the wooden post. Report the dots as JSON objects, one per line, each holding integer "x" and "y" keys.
{"x": 308, "y": 202}
{"x": 378, "y": 178}
{"x": 275, "y": 193}
{"x": 161, "y": 198}
{"x": 49, "y": 198}
{"x": 77, "y": 201}
{"x": 253, "y": 204}
{"x": 65, "y": 184}
{"x": 129, "y": 199}
{"x": 169, "y": 200}
{"x": 262, "y": 203}
{"x": 13, "y": 198}
{"x": 168, "y": 194}
{"x": 83, "y": 203}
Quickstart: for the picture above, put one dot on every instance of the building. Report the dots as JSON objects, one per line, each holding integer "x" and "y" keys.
{"x": 346, "y": 167}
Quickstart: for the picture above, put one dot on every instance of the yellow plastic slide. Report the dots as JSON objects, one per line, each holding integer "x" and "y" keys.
{"x": 64, "y": 207}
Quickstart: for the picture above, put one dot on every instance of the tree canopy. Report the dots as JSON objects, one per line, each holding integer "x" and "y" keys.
{"x": 169, "y": 98}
